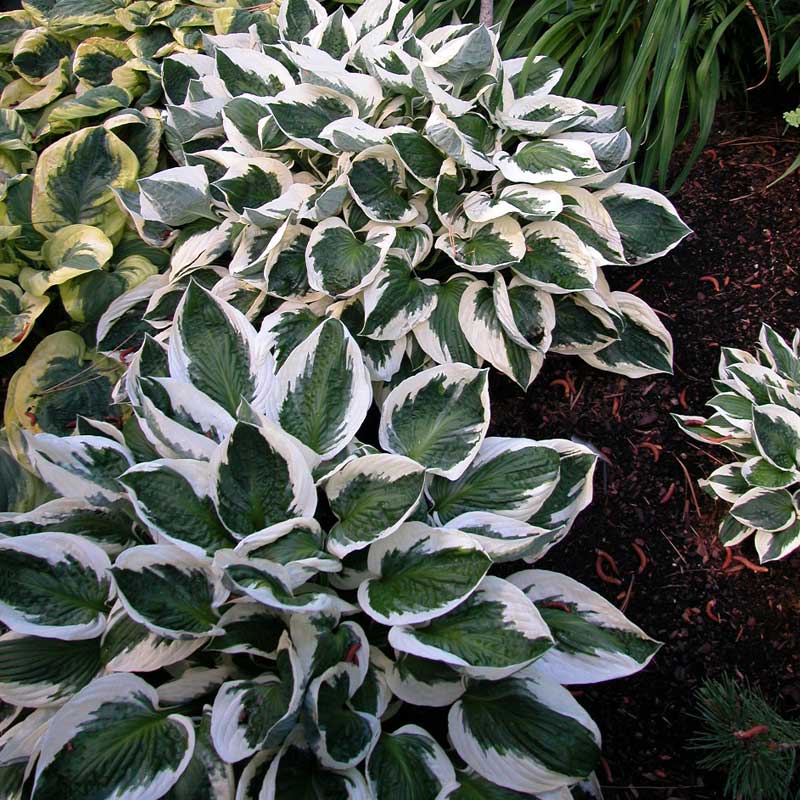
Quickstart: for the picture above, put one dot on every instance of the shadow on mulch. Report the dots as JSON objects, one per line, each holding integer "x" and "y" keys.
{"x": 748, "y": 240}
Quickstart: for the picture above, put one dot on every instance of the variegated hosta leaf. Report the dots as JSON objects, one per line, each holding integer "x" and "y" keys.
{"x": 502, "y": 538}
{"x": 377, "y": 183}
{"x": 480, "y": 320}
{"x": 322, "y": 392}
{"x": 54, "y": 585}
{"x": 371, "y": 497}
{"x": 644, "y": 346}
{"x": 438, "y": 418}
{"x": 258, "y": 714}
{"x": 485, "y": 247}
{"x": 176, "y": 196}
{"x": 35, "y": 671}
{"x": 525, "y": 733}
{"x": 776, "y": 433}
{"x": 556, "y": 160}
{"x": 339, "y": 263}
{"x": 768, "y": 510}
{"x": 19, "y": 311}
{"x": 423, "y": 572}
{"x": 215, "y": 348}
{"x": 492, "y": 634}
{"x": 168, "y": 590}
{"x": 648, "y": 223}
{"x": 511, "y": 477}
{"x": 409, "y": 763}
{"x": 594, "y": 640}
{"x": 173, "y": 498}
{"x": 111, "y": 738}
{"x": 421, "y": 682}
{"x": 75, "y": 181}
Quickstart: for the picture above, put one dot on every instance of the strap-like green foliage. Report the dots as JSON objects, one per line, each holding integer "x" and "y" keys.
{"x": 233, "y": 595}
{"x": 757, "y": 418}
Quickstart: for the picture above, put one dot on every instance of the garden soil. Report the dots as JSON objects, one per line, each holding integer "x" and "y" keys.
{"x": 740, "y": 266}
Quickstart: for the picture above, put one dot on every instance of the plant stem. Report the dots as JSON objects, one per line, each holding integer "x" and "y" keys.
{"x": 487, "y": 12}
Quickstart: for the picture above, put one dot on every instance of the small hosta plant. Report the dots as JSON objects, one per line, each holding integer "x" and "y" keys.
{"x": 234, "y": 596}
{"x": 757, "y": 418}
{"x": 442, "y": 197}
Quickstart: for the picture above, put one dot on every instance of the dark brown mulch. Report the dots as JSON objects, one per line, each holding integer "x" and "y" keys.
{"x": 749, "y": 240}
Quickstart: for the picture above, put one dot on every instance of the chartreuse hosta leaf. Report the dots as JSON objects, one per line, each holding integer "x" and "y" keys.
{"x": 321, "y": 394}
{"x": 371, "y": 497}
{"x": 19, "y": 311}
{"x": 409, "y": 763}
{"x": 511, "y": 477}
{"x": 54, "y": 585}
{"x": 409, "y": 564}
{"x": 514, "y": 733}
{"x": 594, "y": 641}
{"x": 757, "y": 418}
{"x": 111, "y": 738}
{"x": 438, "y": 418}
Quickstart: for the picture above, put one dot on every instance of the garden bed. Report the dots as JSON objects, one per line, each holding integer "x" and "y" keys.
{"x": 747, "y": 239}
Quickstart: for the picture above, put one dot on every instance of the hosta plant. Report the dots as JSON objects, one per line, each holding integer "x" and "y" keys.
{"x": 236, "y": 596}
{"x": 757, "y": 418}
{"x": 77, "y": 120}
{"x": 442, "y": 197}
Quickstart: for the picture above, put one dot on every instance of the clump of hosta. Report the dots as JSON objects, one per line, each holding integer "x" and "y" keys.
{"x": 65, "y": 66}
{"x": 444, "y": 196}
{"x": 237, "y": 596}
{"x": 757, "y": 418}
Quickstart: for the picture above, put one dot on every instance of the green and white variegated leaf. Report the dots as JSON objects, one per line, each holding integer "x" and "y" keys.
{"x": 340, "y": 735}
{"x": 776, "y": 433}
{"x": 644, "y": 346}
{"x": 485, "y": 247}
{"x": 420, "y": 157}
{"x": 296, "y": 543}
{"x": 584, "y": 323}
{"x": 257, "y": 714}
{"x": 19, "y": 311}
{"x": 339, "y": 263}
{"x": 409, "y": 763}
{"x": 18, "y": 746}
{"x": 726, "y": 482}
{"x": 502, "y": 538}
{"x": 352, "y": 135}
{"x": 322, "y": 392}
{"x": 527, "y": 314}
{"x": 396, "y": 300}
{"x": 249, "y": 628}
{"x": 36, "y": 671}
{"x": 253, "y": 183}
{"x": 79, "y": 467}
{"x": 215, "y": 348}
{"x": 543, "y": 160}
{"x": 647, "y": 222}
{"x": 421, "y": 682}
{"x": 176, "y": 196}
{"x": 556, "y": 259}
{"x": 116, "y": 720}
{"x": 758, "y": 471}
{"x": 170, "y": 591}
{"x": 271, "y": 584}
{"x": 768, "y": 510}
{"x": 75, "y": 180}
{"x": 286, "y": 328}
{"x": 173, "y": 498}
{"x": 207, "y": 777}
{"x": 128, "y": 646}
{"x": 494, "y": 633}
{"x": 297, "y": 18}
{"x": 542, "y": 115}
{"x": 371, "y": 497}
{"x": 296, "y": 772}
{"x": 774, "y": 546}
{"x": 54, "y": 585}
{"x": 377, "y": 183}
{"x": 429, "y": 85}
{"x": 465, "y": 149}
{"x": 440, "y": 335}
{"x": 423, "y": 572}
{"x": 438, "y": 418}
{"x": 261, "y": 478}
{"x": 473, "y": 787}
{"x": 594, "y": 640}
{"x": 526, "y": 733}
{"x": 523, "y": 199}
{"x": 511, "y": 477}
{"x": 779, "y": 353}
{"x": 483, "y": 329}
{"x": 246, "y": 71}
{"x": 303, "y": 112}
